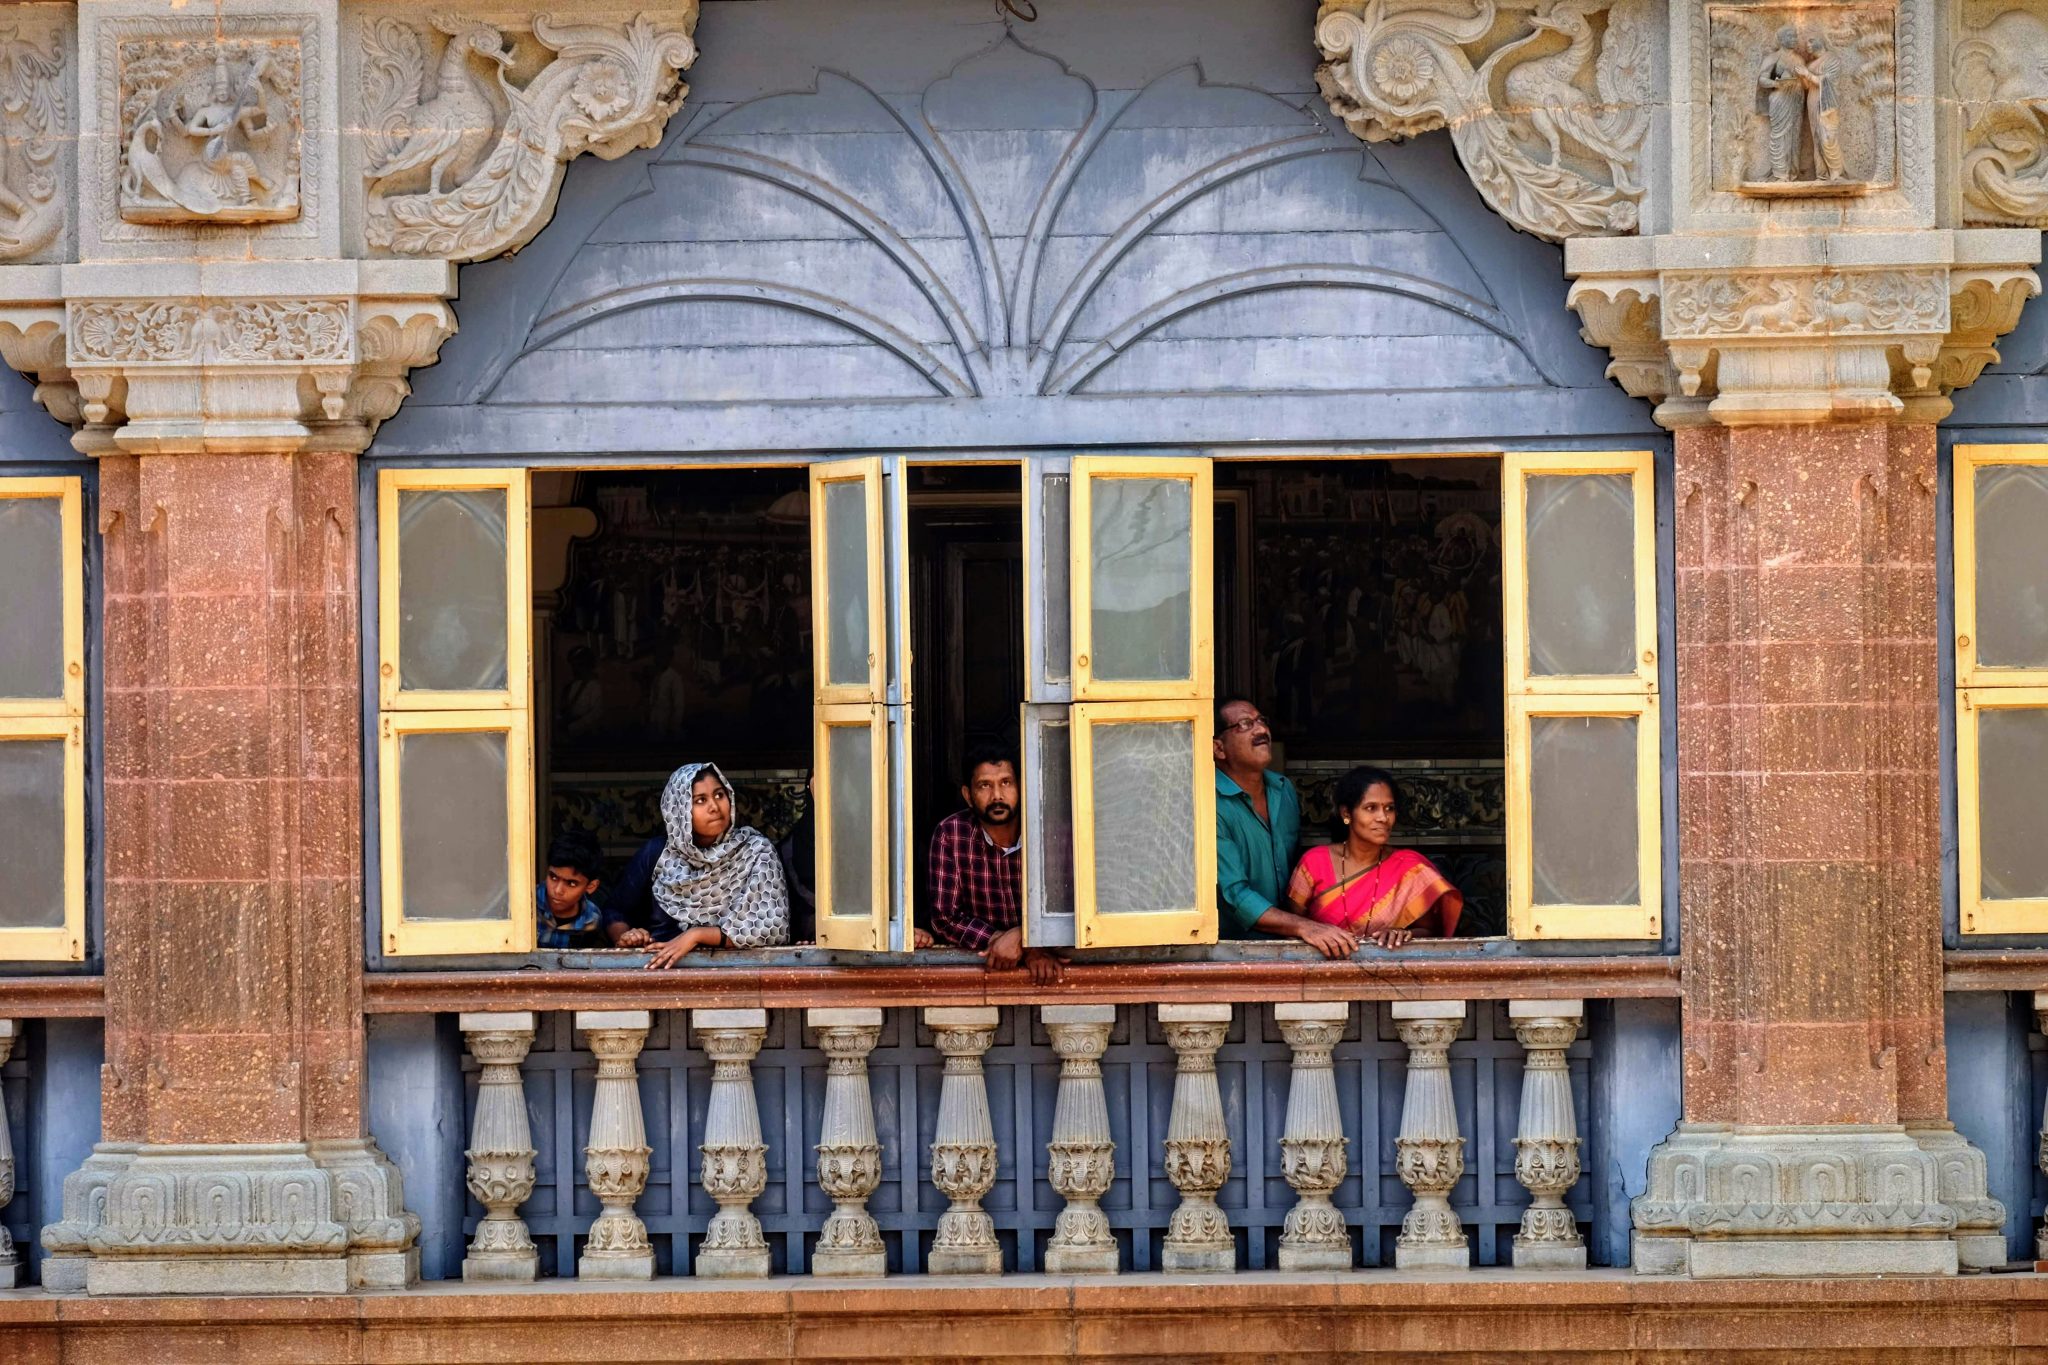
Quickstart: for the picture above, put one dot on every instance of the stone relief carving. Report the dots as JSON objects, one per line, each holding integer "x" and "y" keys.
{"x": 1548, "y": 110}
{"x": 237, "y": 331}
{"x": 1752, "y": 303}
{"x": 1804, "y": 99}
{"x": 2000, "y": 74}
{"x": 463, "y": 162}
{"x": 33, "y": 124}
{"x": 210, "y": 130}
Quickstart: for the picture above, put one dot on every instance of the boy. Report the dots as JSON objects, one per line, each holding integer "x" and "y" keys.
{"x": 565, "y": 915}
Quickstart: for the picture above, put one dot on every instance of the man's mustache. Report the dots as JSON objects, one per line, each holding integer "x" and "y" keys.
{"x": 999, "y": 810}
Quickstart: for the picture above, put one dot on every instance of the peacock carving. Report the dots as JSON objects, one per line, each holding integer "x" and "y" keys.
{"x": 1547, "y": 91}
{"x": 448, "y": 131}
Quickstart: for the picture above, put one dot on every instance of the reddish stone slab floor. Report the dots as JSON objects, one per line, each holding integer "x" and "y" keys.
{"x": 1481, "y": 1316}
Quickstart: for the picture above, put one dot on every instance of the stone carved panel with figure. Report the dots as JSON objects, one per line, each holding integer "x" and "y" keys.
{"x": 1804, "y": 100}
{"x": 210, "y": 129}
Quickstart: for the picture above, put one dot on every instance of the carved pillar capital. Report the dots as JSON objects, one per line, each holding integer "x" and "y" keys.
{"x": 1770, "y": 213}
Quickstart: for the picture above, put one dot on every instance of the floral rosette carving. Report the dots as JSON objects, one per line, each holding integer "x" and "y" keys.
{"x": 610, "y": 89}
{"x": 1550, "y": 134}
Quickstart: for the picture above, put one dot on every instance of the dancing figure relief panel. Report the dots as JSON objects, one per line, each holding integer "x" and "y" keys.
{"x": 211, "y": 129}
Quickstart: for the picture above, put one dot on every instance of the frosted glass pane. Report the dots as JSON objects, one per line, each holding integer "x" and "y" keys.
{"x": 452, "y": 829}
{"x": 852, "y": 797}
{"x": 1582, "y": 808}
{"x": 846, "y": 584}
{"x": 1053, "y": 807}
{"x": 2012, "y": 567}
{"x": 2012, "y": 809}
{"x": 1142, "y": 551}
{"x": 451, "y": 590}
{"x": 1582, "y": 574}
{"x": 32, "y": 602}
{"x": 1059, "y": 631}
{"x": 32, "y": 833}
{"x": 1144, "y": 816}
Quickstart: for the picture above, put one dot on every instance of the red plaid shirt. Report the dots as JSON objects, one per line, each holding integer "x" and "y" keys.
{"x": 977, "y": 888}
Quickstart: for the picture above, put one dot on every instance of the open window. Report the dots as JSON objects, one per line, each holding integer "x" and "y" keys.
{"x": 42, "y": 720}
{"x": 1579, "y": 606}
{"x": 453, "y": 673}
{"x": 1144, "y": 810}
{"x": 2001, "y": 597}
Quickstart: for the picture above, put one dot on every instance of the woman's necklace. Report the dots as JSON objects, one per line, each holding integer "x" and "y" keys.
{"x": 1344, "y": 863}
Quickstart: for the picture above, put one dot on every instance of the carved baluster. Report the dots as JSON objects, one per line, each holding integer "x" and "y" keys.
{"x": 964, "y": 1146}
{"x": 1313, "y": 1149}
{"x": 10, "y": 1259}
{"x": 1432, "y": 1154}
{"x": 615, "y": 1159}
{"x": 2041, "y": 1235}
{"x": 735, "y": 1159}
{"x": 1547, "y": 1137}
{"x": 500, "y": 1149}
{"x": 1081, "y": 1158}
{"x": 849, "y": 1154}
{"x": 1197, "y": 1142}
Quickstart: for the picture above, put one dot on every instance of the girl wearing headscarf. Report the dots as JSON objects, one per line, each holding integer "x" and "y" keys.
{"x": 722, "y": 883}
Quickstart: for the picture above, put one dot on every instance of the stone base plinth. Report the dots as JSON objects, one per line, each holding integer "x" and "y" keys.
{"x": 1081, "y": 1260}
{"x": 64, "y": 1274}
{"x": 747, "y": 1263}
{"x": 852, "y": 1265}
{"x": 1315, "y": 1257}
{"x": 611, "y": 1266}
{"x": 201, "y": 1218}
{"x": 383, "y": 1250}
{"x": 1726, "y": 1201}
{"x": 219, "y": 1276}
{"x": 10, "y": 1274}
{"x": 1432, "y": 1258}
{"x": 1549, "y": 1256}
{"x": 988, "y": 1261}
{"x": 501, "y": 1267}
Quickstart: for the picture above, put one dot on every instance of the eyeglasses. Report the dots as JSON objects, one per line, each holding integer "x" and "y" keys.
{"x": 1247, "y": 725}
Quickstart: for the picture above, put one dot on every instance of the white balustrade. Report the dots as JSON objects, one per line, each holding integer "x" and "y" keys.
{"x": 1547, "y": 1135}
{"x": 1431, "y": 1154}
{"x": 500, "y": 1148}
{"x": 1081, "y": 1158}
{"x": 964, "y": 1144}
{"x": 1197, "y": 1141}
{"x": 849, "y": 1153}
{"x": 734, "y": 1167}
{"x": 1313, "y": 1148}
{"x": 615, "y": 1159}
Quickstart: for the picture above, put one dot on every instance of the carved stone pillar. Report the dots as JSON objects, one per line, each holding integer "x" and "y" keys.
{"x": 10, "y": 1259}
{"x": 1547, "y": 1135}
{"x": 735, "y": 1159}
{"x": 1197, "y": 1142}
{"x": 849, "y": 1153}
{"x": 2041, "y": 1233}
{"x": 615, "y": 1159}
{"x": 1313, "y": 1149}
{"x": 500, "y": 1148}
{"x": 1432, "y": 1153}
{"x": 1081, "y": 1159}
{"x": 964, "y": 1144}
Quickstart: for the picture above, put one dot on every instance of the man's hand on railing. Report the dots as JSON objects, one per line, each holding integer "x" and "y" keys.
{"x": 1008, "y": 952}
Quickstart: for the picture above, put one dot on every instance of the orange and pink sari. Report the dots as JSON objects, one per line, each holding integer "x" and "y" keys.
{"x": 1401, "y": 891}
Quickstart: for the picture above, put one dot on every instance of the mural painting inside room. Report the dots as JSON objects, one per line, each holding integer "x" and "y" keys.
{"x": 683, "y": 632}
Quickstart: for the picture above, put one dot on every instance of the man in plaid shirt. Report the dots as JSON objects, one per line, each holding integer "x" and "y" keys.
{"x": 977, "y": 869}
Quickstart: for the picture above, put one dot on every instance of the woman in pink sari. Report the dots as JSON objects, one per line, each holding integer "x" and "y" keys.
{"x": 1384, "y": 894}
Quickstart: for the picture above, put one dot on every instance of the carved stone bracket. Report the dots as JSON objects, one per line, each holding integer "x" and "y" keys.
{"x": 2000, "y": 74}
{"x": 1790, "y": 338}
{"x": 1548, "y": 107}
{"x": 465, "y": 148}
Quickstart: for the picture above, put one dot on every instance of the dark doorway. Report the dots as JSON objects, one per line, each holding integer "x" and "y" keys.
{"x": 967, "y": 630}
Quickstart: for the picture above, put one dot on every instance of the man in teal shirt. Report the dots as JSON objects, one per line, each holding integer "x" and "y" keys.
{"x": 1258, "y": 824}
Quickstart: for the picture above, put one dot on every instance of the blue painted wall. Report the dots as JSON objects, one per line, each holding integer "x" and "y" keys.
{"x": 53, "y": 1074}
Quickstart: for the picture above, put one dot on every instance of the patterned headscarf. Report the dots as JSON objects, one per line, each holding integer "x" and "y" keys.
{"x": 735, "y": 884}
